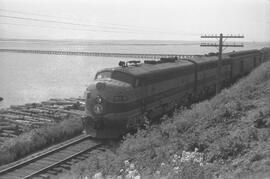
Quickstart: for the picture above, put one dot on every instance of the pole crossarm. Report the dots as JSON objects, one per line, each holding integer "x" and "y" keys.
{"x": 224, "y": 36}
{"x": 221, "y": 38}
{"x": 233, "y": 45}
{"x": 209, "y": 45}
{"x": 217, "y": 45}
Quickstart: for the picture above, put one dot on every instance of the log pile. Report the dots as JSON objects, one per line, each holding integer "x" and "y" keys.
{"x": 18, "y": 119}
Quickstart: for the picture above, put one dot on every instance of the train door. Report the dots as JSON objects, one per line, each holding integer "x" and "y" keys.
{"x": 241, "y": 67}
{"x": 143, "y": 94}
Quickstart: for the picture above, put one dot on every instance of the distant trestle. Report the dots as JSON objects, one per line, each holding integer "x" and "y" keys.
{"x": 99, "y": 54}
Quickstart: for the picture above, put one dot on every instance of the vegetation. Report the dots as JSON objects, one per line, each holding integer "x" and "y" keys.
{"x": 37, "y": 139}
{"x": 231, "y": 130}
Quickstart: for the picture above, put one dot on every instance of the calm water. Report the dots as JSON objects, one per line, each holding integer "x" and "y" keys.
{"x": 26, "y": 78}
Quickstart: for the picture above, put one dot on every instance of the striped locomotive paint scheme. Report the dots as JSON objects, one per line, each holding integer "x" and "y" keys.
{"x": 122, "y": 98}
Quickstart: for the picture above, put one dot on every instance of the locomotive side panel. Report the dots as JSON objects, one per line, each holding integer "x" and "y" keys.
{"x": 166, "y": 89}
{"x": 243, "y": 62}
{"x": 248, "y": 64}
{"x": 265, "y": 54}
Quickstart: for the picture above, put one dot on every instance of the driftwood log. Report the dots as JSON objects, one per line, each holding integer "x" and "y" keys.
{"x": 21, "y": 118}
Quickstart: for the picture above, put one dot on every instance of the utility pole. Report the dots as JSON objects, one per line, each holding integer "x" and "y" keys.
{"x": 221, "y": 46}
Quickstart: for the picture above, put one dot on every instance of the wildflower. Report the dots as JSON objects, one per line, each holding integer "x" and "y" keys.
{"x": 196, "y": 149}
{"x": 132, "y": 166}
{"x": 198, "y": 159}
{"x": 122, "y": 172}
{"x": 130, "y": 175}
{"x": 126, "y": 162}
{"x": 98, "y": 176}
{"x": 137, "y": 177}
{"x": 162, "y": 164}
{"x": 176, "y": 170}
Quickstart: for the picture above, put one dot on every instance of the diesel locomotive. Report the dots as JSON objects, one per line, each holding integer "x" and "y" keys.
{"x": 122, "y": 98}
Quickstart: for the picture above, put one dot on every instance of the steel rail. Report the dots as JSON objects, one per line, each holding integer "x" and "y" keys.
{"x": 42, "y": 155}
{"x": 60, "y": 162}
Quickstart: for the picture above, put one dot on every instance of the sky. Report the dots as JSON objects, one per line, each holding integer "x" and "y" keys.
{"x": 134, "y": 19}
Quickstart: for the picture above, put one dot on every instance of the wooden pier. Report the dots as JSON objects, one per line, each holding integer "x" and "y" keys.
{"x": 99, "y": 54}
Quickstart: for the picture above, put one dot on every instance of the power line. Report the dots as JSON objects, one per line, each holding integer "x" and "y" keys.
{"x": 107, "y": 25}
{"x": 50, "y": 27}
{"x": 43, "y": 15}
{"x": 76, "y": 24}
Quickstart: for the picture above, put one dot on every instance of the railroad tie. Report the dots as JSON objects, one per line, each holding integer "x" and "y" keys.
{"x": 39, "y": 177}
{"x": 81, "y": 157}
{"x": 52, "y": 172}
{"x": 46, "y": 176}
{"x": 65, "y": 166}
{"x": 58, "y": 169}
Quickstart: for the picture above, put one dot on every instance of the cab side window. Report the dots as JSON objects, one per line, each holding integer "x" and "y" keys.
{"x": 137, "y": 83}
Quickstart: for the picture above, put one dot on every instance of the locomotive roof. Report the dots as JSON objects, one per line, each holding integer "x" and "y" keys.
{"x": 243, "y": 52}
{"x": 143, "y": 69}
{"x": 146, "y": 69}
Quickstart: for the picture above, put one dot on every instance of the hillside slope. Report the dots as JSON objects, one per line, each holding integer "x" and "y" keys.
{"x": 232, "y": 130}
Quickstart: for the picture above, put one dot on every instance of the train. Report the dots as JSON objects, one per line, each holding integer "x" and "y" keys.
{"x": 123, "y": 98}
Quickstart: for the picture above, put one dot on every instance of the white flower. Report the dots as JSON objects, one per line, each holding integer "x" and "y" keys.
{"x": 137, "y": 177}
{"x": 198, "y": 159}
{"x": 132, "y": 166}
{"x": 98, "y": 176}
{"x": 162, "y": 164}
{"x": 130, "y": 175}
{"x": 196, "y": 149}
{"x": 126, "y": 162}
{"x": 176, "y": 170}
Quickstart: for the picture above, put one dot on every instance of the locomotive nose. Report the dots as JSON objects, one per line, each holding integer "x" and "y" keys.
{"x": 100, "y": 85}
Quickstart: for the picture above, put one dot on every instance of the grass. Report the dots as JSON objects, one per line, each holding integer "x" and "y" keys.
{"x": 37, "y": 139}
{"x": 231, "y": 130}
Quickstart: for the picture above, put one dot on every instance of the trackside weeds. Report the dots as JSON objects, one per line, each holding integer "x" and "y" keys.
{"x": 174, "y": 169}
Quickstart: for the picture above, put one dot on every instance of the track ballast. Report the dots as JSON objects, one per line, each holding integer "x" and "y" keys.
{"x": 53, "y": 160}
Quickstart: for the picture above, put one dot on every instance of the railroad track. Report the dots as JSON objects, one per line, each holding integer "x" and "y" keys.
{"x": 52, "y": 161}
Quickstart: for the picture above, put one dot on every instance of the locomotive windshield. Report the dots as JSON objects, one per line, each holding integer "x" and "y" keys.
{"x": 116, "y": 75}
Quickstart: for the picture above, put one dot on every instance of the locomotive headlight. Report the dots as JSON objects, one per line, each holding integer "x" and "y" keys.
{"x": 98, "y": 109}
{"x": 99, "y": 100}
